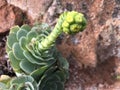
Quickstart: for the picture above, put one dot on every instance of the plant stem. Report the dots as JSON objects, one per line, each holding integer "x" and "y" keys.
{"x": 50, "y": 39}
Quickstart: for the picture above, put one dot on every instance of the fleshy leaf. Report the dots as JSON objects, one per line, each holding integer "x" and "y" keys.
{"x": 27, "y": 67}
{"x": 7, "y": 48}
{"x": 17, "y": 51}
{"x": 23, "y": 83}
{"x": 14, "y": 29}
{"x": 14, "y": 62}
{"x": 11, "y": 40}
{"x": 26, "y": 27}
{"x": 37, "y": 74}
{"x": 21, "y": 33}
{"x": 22, "y": 43}
{"x": 30, "y": 35}
{"x": 32, "y": 59}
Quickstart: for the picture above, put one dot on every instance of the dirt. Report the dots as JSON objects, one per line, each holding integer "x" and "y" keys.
{"x": 5, "y": 67}
{"x": 101, "y": 77}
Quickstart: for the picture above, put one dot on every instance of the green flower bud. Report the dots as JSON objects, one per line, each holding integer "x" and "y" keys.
{"x": 78, "y": 18}
{"x": 66, "y": 30}
{"x": 74, "y": 28}
{"x": 73, "y": 22}
{"x": 69, "y": 19}
{"x": 65, "y": 24}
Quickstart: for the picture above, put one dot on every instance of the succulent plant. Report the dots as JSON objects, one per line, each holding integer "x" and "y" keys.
{"x": 32, "y": 51}
{"x": 20, "y": 83}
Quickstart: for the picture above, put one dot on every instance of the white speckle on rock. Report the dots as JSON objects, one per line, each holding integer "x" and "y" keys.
{"x": 118, "y": 54}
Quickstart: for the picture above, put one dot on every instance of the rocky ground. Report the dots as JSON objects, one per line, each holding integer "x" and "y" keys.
{"x": 94, "y": 54}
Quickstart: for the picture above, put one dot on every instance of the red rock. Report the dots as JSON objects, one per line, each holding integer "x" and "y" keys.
{"x": 2, "y": 3}
{"x": 9, "y": 16}
{"x": 87, "y": 51}
{"x": 34, "y": 8}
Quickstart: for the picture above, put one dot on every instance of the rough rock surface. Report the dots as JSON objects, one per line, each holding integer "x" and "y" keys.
{"x": 98, "y": 46}
{"x": 97, "y": 15}
{"x": 94, "y": 54}
{"x": 34, "y": 8}
{"x": 9, "y": 16}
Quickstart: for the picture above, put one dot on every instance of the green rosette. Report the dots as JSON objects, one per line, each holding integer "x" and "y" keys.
{"x": 24, "y": 54}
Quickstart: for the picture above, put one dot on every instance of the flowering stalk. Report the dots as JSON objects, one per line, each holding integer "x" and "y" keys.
{"x": 69, "y": 23}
